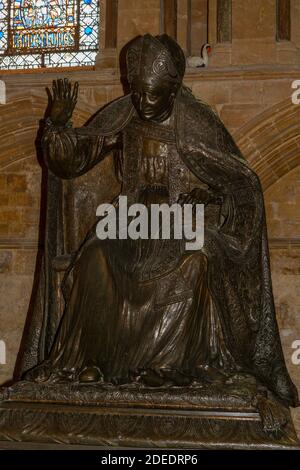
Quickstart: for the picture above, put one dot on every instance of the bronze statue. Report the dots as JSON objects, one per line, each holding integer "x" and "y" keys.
{"x": 149, "y": 313}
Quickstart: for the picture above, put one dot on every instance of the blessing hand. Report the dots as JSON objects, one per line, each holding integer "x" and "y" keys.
{"x": 62, "y": 101}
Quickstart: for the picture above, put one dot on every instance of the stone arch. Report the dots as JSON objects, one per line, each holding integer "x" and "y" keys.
{"x": 271, "y": 141}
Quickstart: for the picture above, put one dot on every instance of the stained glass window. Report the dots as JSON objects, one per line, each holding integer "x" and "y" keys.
{"x": 48, "y": 33}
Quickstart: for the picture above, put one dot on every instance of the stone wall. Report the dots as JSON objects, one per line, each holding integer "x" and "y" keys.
{"x": 283, "y": 219}
{"x": 248, "y": 82}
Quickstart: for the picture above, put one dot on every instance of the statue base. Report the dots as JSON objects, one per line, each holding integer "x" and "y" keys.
{"x": 200, "y": 417}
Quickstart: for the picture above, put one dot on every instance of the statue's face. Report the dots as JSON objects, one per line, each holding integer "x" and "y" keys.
{"x": 153, "y": 102}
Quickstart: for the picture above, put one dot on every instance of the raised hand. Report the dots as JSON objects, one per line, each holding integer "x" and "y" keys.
{"x": 62, "y": 101}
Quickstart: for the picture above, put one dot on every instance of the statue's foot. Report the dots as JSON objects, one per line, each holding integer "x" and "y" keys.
{"x": 209, "y": 374}
{"x": 152, "y": 379}
{"x": 40, "y": 373}
{"x": 90, "y": 374}
{"x": 63, "y": 375}
{"x": 178, "y": 378}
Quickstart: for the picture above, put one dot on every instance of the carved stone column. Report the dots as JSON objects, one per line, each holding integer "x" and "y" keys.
{"x": 107, "y": 56}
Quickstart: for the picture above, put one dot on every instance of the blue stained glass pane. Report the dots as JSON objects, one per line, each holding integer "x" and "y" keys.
{"x": 40, "y": 29}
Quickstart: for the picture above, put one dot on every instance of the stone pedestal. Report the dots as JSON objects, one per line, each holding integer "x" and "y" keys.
{"x": 200, "y": 417}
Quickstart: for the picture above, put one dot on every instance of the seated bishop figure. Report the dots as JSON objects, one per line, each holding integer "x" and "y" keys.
{"x": 150, "y": 311}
